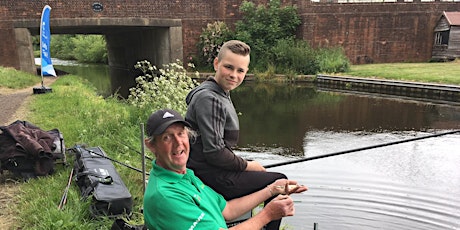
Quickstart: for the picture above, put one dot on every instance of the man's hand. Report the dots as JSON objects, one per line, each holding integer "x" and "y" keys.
{"x": 279, "y": 207}
{"x": 287, "y": 187}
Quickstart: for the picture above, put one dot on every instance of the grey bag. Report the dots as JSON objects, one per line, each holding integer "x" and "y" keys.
{"x": 96, "y": 176}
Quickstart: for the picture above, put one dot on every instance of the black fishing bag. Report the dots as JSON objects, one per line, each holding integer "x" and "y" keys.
{"x": 96, "y": 176}
{"x": 28, "y": 151}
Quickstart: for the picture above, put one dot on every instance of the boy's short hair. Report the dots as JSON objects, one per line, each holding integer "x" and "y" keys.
{"x": 236, "y": 46}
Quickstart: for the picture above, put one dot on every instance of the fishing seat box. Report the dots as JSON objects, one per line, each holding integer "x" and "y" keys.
{"x": 96, "y": 176}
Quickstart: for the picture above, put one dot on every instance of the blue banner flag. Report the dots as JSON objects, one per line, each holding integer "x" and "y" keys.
{"x": 45, "y": 37}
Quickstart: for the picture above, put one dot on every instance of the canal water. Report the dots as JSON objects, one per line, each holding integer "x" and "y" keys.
{"x": 413, "y": 185}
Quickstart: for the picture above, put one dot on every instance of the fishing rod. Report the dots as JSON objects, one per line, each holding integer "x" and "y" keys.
{"x": 143, "y": 157}
{"x": 66, "y": 191}
{"x": 359, "y": 149}
{"x": 118, "y": 162}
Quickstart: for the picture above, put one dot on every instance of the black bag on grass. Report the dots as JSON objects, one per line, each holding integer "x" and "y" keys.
{"x": 96, "y": 176}
{"x": 28, "y": 151}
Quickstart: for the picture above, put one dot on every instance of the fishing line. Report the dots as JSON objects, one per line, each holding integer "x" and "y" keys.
{"x": 135, "y": 150}
{"x": 358, "y": 149}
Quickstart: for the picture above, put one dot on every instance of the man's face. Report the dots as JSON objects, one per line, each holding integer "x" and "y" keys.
{"x": 231, "y": 70}
{"x": 172, "y": 148}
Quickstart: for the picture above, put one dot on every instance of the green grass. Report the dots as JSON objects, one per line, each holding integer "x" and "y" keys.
{"x": 14, "y": 79}
{"x": 84, "y": 118}
{"x": 442, "y": 72}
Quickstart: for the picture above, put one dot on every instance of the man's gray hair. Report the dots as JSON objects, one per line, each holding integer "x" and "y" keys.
{"x": 192, "y": 134}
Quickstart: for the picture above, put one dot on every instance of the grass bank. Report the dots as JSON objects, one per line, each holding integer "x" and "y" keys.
{"x": 84, "y": 118}
{"x": 436, "y": 72}
{"x": 14, "y": 79}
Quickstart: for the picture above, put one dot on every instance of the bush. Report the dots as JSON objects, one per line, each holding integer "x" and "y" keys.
{"x": 161, "y": 88}
{"x": 291, "y": 55}
{"x": 270, "y": 31}
{"x": 211, "y": 40}
{"x": 62, "y": 47}
{"x": 261, "y": 28}
{"x": 83, "y": 48}
{"x": 332, "y": 60}
{"x": 90, "y": 48}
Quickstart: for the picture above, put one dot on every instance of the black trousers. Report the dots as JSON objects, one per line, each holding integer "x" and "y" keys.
{"x": 232, "y": 185}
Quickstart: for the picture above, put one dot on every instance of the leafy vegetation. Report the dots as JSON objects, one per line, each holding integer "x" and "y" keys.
{"x": 332, "y": 60}
{"x": 83, "y": 48}
{"x": 90, "y": 48}
{"x": 161, "y": 88}
{"x": 270, "y": 31}
{"x": 298, "y": 56}
{"x": 211, "y": 39}
{"x": 62, "y": 46}
{"x": 262, "y": 26}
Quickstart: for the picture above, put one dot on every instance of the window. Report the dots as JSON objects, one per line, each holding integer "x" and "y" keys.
{"x": 441, "y": 38}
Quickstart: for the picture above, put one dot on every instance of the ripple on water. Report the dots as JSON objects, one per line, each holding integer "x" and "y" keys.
{"x": 405, "y": 186}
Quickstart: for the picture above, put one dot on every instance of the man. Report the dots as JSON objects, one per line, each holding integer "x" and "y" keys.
{"x": 176, "y": 199}
{"x": 211, "y": 113}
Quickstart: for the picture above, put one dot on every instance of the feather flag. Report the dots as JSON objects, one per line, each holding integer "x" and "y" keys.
{"x": 47, "y": 68}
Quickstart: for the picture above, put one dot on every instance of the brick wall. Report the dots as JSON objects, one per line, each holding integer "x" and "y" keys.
{"x": 377, "y": 32}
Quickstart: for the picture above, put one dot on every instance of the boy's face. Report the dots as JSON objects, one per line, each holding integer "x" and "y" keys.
{"x": 231, "y": 70}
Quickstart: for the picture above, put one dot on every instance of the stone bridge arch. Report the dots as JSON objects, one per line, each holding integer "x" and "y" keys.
{"x": 128, "y": 40}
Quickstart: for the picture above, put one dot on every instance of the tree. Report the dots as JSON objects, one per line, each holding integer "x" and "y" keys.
{"x": 262, "y": 26}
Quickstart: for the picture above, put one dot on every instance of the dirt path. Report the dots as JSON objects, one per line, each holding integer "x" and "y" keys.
{"x": 13, "y": 104}
{"x": 13, "y": 101}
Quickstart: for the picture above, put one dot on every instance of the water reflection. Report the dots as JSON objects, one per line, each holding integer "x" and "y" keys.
{"x": 278, "y": 116}
{"x": 413, "y": 185}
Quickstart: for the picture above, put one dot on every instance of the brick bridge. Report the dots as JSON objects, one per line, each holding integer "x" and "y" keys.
{"x": 162, "y": 31}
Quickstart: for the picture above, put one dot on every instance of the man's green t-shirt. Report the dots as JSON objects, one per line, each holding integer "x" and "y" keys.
{"x": 181, "y": 201}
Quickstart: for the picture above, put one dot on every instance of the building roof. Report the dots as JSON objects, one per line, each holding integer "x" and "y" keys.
{"x": 452, "y": 17}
